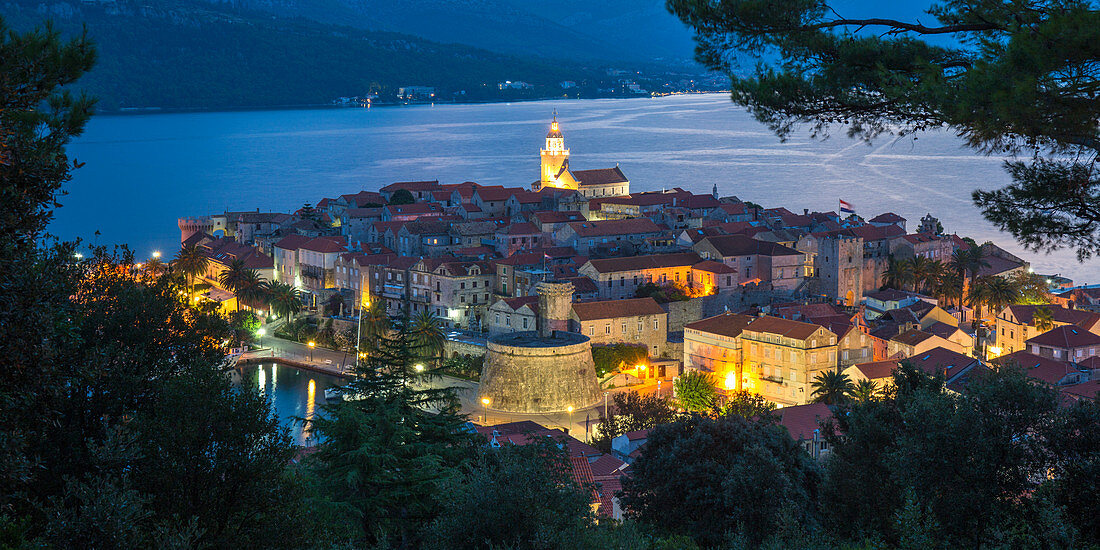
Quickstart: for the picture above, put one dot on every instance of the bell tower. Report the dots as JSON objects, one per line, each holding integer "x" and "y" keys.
{"x": 555, "y": 160}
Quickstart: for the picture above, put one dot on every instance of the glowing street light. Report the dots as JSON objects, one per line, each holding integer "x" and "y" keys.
{"x": 419, "y": 367}
{"x": 78, "y": 256}
{"x": 485, "y": 401}
{"x": 570, "y": 428}
{"x": 311, "y": 346}
{"x": 261, "y": 332}
{"x": 156, "y": 254}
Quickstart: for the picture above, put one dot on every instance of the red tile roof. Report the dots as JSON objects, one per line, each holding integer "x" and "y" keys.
{"x": 727, "y": 324}
{"x": 802, "y": 420}
{"x": 599, "y": 176}
{"x": 640, "y": 263}
{"x": 1046, "y": 369}
{"x": 743, "y": 245}
{"x": 1066, "y": 337}
{"x": 942, "y": 360}
{"x": 412, "y": 186}
{"x": 630, "y": 226}
{"x": 711, "y": 266}
{"x": 292, "y": 242}
{"x": 888, "y": 217}
{"x": 614, "y": 309}
{"x": 877, "y": 370}
{"x": 783, "y": 327}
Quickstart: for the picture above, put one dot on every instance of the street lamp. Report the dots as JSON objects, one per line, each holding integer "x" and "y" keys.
{"x": 605, "y": 403}
{"x": 570, "y": 428}
{"x": 261, "y": 332}
{"x": 419, "y": 367}
{"x": 156, "y": 254}
{"x": 658, "y": 388}
{"x": 311, "y": 345}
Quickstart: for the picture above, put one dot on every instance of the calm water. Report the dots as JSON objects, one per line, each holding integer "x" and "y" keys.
{"x": 144, "y": 171}
{"x": 293, "y": 393}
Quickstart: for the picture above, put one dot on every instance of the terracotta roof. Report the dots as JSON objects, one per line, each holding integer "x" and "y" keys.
{"x": 497, "y": 194}
{"x": 412, "y": 186}
{"x": 363, "y": 197}
{"x": 1066, "y": 337}
{"x": 727, "y": 324}
{"x": 518, "y": 302}
{"x": 599, "y": 176}
{"x": 639, "y": 263}
{"x": 806, "y": 311}
{"x": 887, "y": 295}
{"x": 525, "y": 228}
{"x": 942, "y": 359}
{"x": 998, "y": 266}
{"x": 607, "y": 465}
{"x": 630, "y": 226}
{"x": 712, "y": 266}
{"x": 613, "y": 309}
{"x": 326, "y": 244}
{"x": 877, "y": 370}
{"x": 637, "y": 435}
{"x": 582, "y": 285}
{"x": 292, "y": 242}
{"x": 875, "y": 233}
{"x": 1084, "y": 390}
{"x": 742, "y": 245}
{"x": 264, "y": 217}
{"x": 912, "y": 337}
{"x": 783, "y": 327}
{"x": 802, "y": 420}
{"x": 557, "y": 217}
{"x": 1046, "y": 369}
{"x": 1081, "y": 318}
{"x": 888, "y": 217}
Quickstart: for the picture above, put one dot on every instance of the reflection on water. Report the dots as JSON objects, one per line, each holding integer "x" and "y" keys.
{"x": 294, "y": 394}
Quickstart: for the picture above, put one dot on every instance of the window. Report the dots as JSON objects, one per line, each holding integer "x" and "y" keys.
{"x": 592, "y": 330}
{"x": 622, "y": 281}
{"x": 607, "y": 328}
{"x": 462, "y": 298}
{"x": 610, "y": 283}
{"x": 639, "y": 325}
{"x": 524, "y": 322}
{"x": 496, "y": 318}
{"x": 462, "y": 286}
{"x": 624, "y": 327}
{"x": 508, "y": 320}
{"x": 656, "y": 324}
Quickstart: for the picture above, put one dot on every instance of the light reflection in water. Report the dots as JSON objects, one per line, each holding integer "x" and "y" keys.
{"x": 311, "y": 403}
{"x": 262, "y": 379}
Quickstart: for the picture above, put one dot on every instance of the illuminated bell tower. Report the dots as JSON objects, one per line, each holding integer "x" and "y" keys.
{"x": 555, "y": 160}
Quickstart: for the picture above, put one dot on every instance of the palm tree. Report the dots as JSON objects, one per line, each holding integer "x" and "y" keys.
{"x": 427, "y": 334}
{"x": 897, "y": 274}
{"x": 975, "y": 261}
{"x": 831, "y": 387}
{"x": 191, "y": 261}
{"x": 920, "y": 269}
{"x": 1043, "y": 319}
{"x": 978, "y": 295}
{"x": 1001, "y": 293}
{"x": 154, "y": 267}
{"x": 863, "y": 391}
{"x": 376, "y": 322}
{"x": 253, "y": 289}
{"x": 231, "y": 278}
{"x": 285, "y": 299}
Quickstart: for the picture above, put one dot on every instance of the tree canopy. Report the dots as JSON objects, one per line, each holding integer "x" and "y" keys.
{"x": 1008, "y": 77}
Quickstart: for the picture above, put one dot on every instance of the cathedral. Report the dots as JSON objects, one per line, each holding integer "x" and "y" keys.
{"x": 602, "y": 182}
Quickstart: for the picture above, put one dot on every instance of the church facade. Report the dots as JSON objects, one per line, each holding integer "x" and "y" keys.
{"x": 555, "y": 172}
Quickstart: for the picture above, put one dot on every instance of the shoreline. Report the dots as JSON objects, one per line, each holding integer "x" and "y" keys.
{"x": 138, "y": 111}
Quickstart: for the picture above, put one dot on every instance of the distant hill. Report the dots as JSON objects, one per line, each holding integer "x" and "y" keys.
{"x": 604, "y": 30}
{"x": 190, "y": 53}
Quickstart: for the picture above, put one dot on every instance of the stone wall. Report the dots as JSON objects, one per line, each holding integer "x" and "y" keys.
{"x": 525, "y": 373}
{"x": 689, "y": 311}
{"x": 453, "y": 347}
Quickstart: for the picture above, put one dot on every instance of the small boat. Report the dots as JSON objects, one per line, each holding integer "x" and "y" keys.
{"x": 333, "y": 394}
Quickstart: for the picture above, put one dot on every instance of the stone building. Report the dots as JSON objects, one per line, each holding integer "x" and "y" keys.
{"x": 457, "y": 292}
{"x": 633, "y": 321}
{"x": 838, "y": 267}
{"x": 714, "y": 345}
{"x": 782, "y": 357}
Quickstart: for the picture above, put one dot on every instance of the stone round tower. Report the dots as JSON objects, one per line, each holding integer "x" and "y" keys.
{"x": 547, "y": 370}
{"x": 555, "y": 306}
